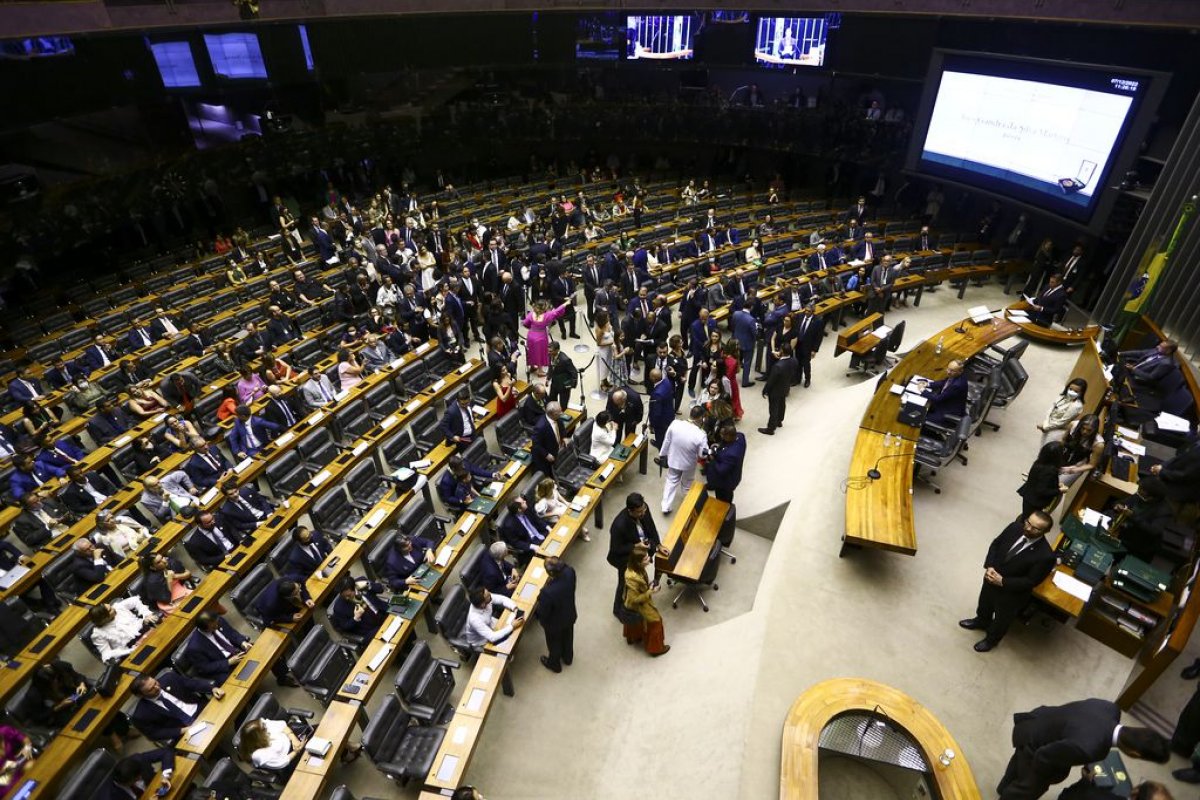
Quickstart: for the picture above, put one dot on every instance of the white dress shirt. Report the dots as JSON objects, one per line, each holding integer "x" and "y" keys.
{"x": 117, "y": 638}
{"x": 277, "y": 754}
{"x": 479, "y": 630}
{"x": 683, "y": 445}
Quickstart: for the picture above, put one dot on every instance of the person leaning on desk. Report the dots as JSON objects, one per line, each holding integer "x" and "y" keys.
{"x": 947, "y": 396}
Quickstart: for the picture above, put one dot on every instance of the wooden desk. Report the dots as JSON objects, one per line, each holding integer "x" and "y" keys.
{"x": 820, "y": 704}
{"x": 313, "y": 773}
{"x": 859, "y": 332}
{"x": 1071, "y": 336}
{"x": 879, "y": 513}
{"x": 607, "y": 473}
{"x": 454, "y": 756}
{"x": 480, "y": 690}
{"x": 692, "y": 534}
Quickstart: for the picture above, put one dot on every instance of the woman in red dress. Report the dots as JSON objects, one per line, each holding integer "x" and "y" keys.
{"x": 731, "y": 372}
{"x": 506, "y": 392}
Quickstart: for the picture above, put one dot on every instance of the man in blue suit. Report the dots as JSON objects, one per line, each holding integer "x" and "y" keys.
{"x": 1050, "y": 303}
{"x": 62, "y": 374}
{"x": 211, "y": 543}
{"x": 98, "y": 354}
{"x": 24, "y": 387}
{"x": 215, "y": 648}
{"x": 702, "y": 326}
{"x": 242, "y": 508}
{"x": 458, "y": 425}
{"x": 662, "y": 405}
{"x": 206, "y": 466}
{"x": 403, "y": 557}
{"x": 745, "y": 331}
{"x": 61, "y": 453}
{"x": 556, "y": 611}
{"x": 948, "y": 396}
{"x": 523, "y": 530}
{"x": 323, "y": 241}
{"x": 723, "y": 471}
{"x": 108, "y": 422}
{"x": 283, "y": 600}
{"x": 495, "y": 573}
{"x": 547, "y": 439}
{"x": 168, "y": 704}
{"x": 309, "y": 549}
{"x": 456, "y": 487}
{"x": 28, "y": 475}
{"x": 250, "y": 433}
{"x": 354, "y": 611}
{"x": 867, "y": 251}
{"x": 139, "y": 336}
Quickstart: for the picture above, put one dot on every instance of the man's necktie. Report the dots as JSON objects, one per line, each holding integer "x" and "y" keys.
{"x": 287, "y": 413}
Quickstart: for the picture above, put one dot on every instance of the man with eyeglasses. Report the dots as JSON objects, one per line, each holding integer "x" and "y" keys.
{"x": 1017, "y": 561}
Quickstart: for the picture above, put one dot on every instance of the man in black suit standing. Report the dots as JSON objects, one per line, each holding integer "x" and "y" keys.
{"x": 633, "y": 525}
{"x": 625, "y": 408}
{"x": 556, "y": 611}
{"x": 547, "y": 439}
{"x": 1017, "y": 561}
{"x": 1051, "y": 740}
{"x": 593, "y": 279}
{"x": 778, "y": 387}
{"x": 1050, "y": 303}
{"x": 810, "y": 330}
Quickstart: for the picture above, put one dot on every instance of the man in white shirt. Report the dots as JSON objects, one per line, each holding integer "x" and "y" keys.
{"x": 683, "y": 447}
{"x": 478, "y": 630}
{"x": 119, "y": 625}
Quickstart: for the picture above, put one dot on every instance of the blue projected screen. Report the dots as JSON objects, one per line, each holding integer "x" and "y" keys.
{"x": 235, "y": 55}
{"x": 791, "y": 41}
{"x": 308, "y": 60}
{"x": 658, "y": 37}
{"x": 175, "y": 64}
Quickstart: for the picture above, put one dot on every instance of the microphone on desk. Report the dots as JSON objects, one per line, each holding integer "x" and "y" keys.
{"x": 873, "y": 473}
{"x": 962, "y": 326}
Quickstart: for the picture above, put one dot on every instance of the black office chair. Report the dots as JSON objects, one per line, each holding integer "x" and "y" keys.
{"x": 19, "y": 626}
{"x": 424, "y": 685}
{"x": 510, "y": 435}
{"x": 381, "y": 400}
{"x": 377, "y": 556}
{"x": 333, "y": 514}
{"x": 424, "y": 430}
{"x": 708, "y": 577}
{"x": 366, "y": 485}
{"x": 451, "y": 618}
{"x": 936, "y": 449}
{"x": 317, "y": 449}
{"x": 400, "y": 750}
{"x": 418, "y": 519}
{"x": 398, "y": 450}
{"x": 281, "y": 551}
{"x": 286, "y": 473}
{"x": 351, "y": 423}
{"x": 91, "y": 779}
{"x": 477, "y": 453}
{"x": 228, "y": 781}
{"x": 321, "y": 664}
{"x": 30, "y": 716}
{"x": 247, "y": 591}
{"x": 266, "y": 706}
{"x": 343, "y": 793}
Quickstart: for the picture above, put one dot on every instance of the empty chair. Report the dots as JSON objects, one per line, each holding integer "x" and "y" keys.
{"x": 573, "y": 469}
{"x": 708, "y": 577}
{"x": 477, "y": 453}
{"x": 281, "y": 551}
{"x": 510, "y": 435}
{"x": 481, "y": 386}
{"x": 91, "y": 779}
{"x": 424, "y": 430}
{"x": 351, "y": 423}
{"x": 398, "y": 450}
{"x": 424, "y": 684}
{"x": 58, "y": 573}
{"x": 333, "y": 514}
{"x": 413, "y": 378}
{"x": 317, "y": 449}
{"x": 365, "y": 484}
{"x": 18, "y": 626}
{"x": 246, "y": 593}
{"x": 381, "y": 400}
{"x": 399, "y": 749}
{"x": 418, "y": 519}
{"x": 321, "y": 664}
{"x": 937, "y": 449}
{"x": 286, "y": 473}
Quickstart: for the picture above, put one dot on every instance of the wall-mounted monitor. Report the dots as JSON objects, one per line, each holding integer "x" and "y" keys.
{"x": 235, "y": 55}
{"x": 659, "y": 37}
{"x": 600, "y": 37}
{"x": 791, "y": 41}
{"x": 1041, "y": 132}
{"x": 36, "y": 47}
{"x": 176, "y": 66}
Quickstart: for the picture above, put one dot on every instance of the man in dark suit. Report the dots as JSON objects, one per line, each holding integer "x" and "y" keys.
{"x": 495, "y": 572}
{"x": 196, "y": 341}
{"x": 821, "y": 259}
{"x": 723, "y": 471}
{"x": 90, "y": 564}
{"x": 206, "y": 466}
{"x": 1050, "y": 741}
{"x": 1017, "y": 561}
{"x": 279, "y": 410}
{"x": 947, "y": 396}
{"x": 522, "y": 530}
{"x": 593, "y": 278}
{"x": 458, "y": 424}
{"x": 309, "y": 549}
{"x": 164, "y": 325}
{"x": 168, "y": 704}
{"x": 403, "y": 557}
{"x": 139, "y": 336}
{"x": 355, "y": 611}
{"x": 512, "y": 299}
{"x": 40, "y": 520}
{"x": 625, "y": 408}
{"x": 556, "y": 611}
{"x": 777, "y": 388}
{"x": 214, "y": 647}
{"x": 1149, "y": 370}
{"x": 98, "y": 354}
{"x": 61, "y": 373}
{"x": 29, "y": 474}
{"x": 547, "y": 439}
{"x": 85, "y": 490}
{"x": 284, "y": 600}
{"x": 564, "y": 375}
{"x": 242, "y": 508}
{"x": 662, "y": 404}
{"x": 810, "y": 332}
{"x": 108, "y": 422}
{"x": 859, "y": 211}
{"x": 867, "y": 251}
{"x": 1050, "y": 303}
{"x": 632, "y": 525}
{"x": 561, "y": 290}
{"x": 1179, "y": 478}
{"x": 211, "y": 542}
{"x": 745, "y": 331}
{"x": 181, "y": 389}
{"x": 250, "y": 434}
{"x": 281, "y": 328}
{"x": 632, "y": 281}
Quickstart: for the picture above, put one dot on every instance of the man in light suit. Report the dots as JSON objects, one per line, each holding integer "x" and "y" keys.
{"x": 683, "y": 445}
{"x": 317, "y": 390}
{"x": 1050, "y": 741}
{"x": 250, "y": 434}
{"x": 1017, "y": 561}
{"x": 547, "y": 439}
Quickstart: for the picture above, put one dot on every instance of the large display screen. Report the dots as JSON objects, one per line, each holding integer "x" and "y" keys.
{"x": 658, "y": 37}
{"x": 600, "y": 37}
{"x": 791, "y": 41}
{"x": 235, "y": 55}
{"x": 175, "y": 64}
{"x": 1043, "y": 133}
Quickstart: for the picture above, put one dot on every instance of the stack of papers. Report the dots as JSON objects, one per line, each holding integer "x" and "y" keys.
{"x": 882, "y": 332}
{"x": 1133, "y": 448}
{"x": 1072, "y": 586}
{"x": 1093, "y": 517}
{"x": 1018, "y": 316}
{"x": 1128, "y": 433}
{"x": 910, "y": 399}
{"x": 1170, "y": 422}
{"x": 979, "y": 314}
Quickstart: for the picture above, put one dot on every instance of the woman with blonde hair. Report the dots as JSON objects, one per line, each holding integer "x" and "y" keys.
{"x": 550, "y": 505}
{"x": 639, "y": 593}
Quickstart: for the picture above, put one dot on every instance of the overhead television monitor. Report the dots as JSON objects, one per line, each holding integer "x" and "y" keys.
{"x": 791, "y": 41}
{"x": 665, "y": 38}
{"x": 600, "y": 37}
{"x": 235, "y": 55}
{"x": 1040, "y": 132}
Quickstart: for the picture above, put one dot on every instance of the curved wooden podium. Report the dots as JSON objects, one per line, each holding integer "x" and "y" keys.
{"x": 830, "y": 699}
{"x": 1050, "y": 335}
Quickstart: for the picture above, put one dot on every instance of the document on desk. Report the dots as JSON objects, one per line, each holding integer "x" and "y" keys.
{"x": 475, "y": 701}
{"x": 882, "y": 332}
{"x": 910, "y": 399}
{"x": 1072, "y": 586}
{"x": 1170, "y": 422}
{"x": 1093, "y": 517}
{"x": 1128, "y": 433}
{"x": 12, "y": 576}
{"x": 1133, "y": 447}
{"x": 979, "y": 314}
{"x": 449, "y": 765}
{"x": 896, "y": 388}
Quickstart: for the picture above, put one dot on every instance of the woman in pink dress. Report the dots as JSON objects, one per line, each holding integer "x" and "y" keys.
{"x": 537, "y": 343}
{"x": 731, "y": 371}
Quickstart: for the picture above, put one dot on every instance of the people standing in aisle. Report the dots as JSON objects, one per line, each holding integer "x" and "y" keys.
{"x": 1017, "y": 561}
{"x": 778, "y": 387}
{"x": 662, "y": 405}
{"x": 810, "y": 331}
{"x": 684, "y": 445}
{"x": 556, "y": 611}
{"x": 564, "y": 375}
{"x": 537, "y": 342}
{"x": 723, "y": 469}
{"x": 631, "y": 526}
{"x": 639, "y": 599}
